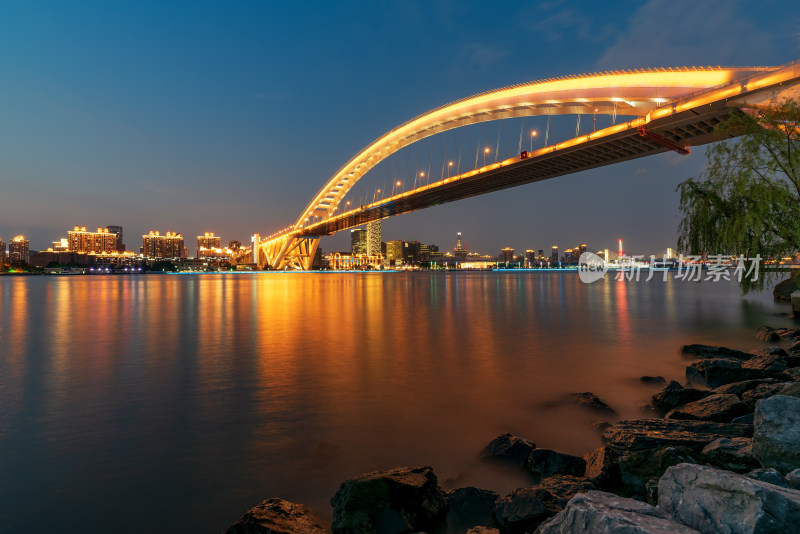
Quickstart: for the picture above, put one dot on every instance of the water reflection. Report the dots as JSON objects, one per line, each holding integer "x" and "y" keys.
{"x": 205, "y": 394}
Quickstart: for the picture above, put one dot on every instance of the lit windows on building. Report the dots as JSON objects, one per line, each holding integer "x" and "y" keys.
{"x": 358, "y": 241}
{"x": 19, "y": 249}
{"x": 206, "y": 243}
{"x": 87, "y": 242}
{"x": 169, "y": 245}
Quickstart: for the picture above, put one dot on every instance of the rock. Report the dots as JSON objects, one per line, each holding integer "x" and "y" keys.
{"x": 769, "y": 351}
{"x": 637, "y": 468}
{"x": 602, "y": 467}
{"x": 788, "y": 333}
{"x": 769, "y": 475}
{"x": 524, "y": 509}
{"x": 470, "y": 507}
{"x": 653, "y": 379}
{"x": 709, "y": 351}
{"x": 719, "y": 408}
{"x": 792, "y": 389}
{"x": 718, "y": 372}
{"x": 565, "y": 487}
{"x": 599, "y": 512}
{"x": 794, "y": 347}
{"x": 406, "y": 496}
{"x": 276, "y": 516}
{"x": 713, "y": 500}
{"x": 641, "y": 434}
{"x": 651, "y": 491}
{"x": 776, "y": 439}
{"x": 793, "y": 479}
{"x": 743, "y": 419}
{"x": 762, "y": 392}
{"x": 783, "y": 290}
{"x": 545, "y": 462}
{"x": 738, "y": 388}
{"x": 509, "y": 448}
{"x": 734, "y": 454}
{"x": 776, "y": 362}
{"x": 767, "y": 333}
{"x": 674, "y": 395}
{"x": 794, "y": 373}
{"x": 593, "y": 402}
{"x": 600, "y": 426}
{"x": 483, "y": 530}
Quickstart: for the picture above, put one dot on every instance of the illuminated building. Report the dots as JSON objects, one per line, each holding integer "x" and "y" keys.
{"x": 394, "y": 252}
{"x": 530, "y": 258}
{"x": 2, "y": 252}
{"x": 411, "y": 252}
{"x": 169, "y": 245}
{"x": 358, "y": 241}
{"x": 582, "y": 248}
{"x": 374, "y": 238}
{"x": 507, "y": 255}
{"x": 117, "y": 231}
{"x": 86, "y": 242}
{"x": 461, "y": 249}
{"x": 19, "y": 249}
{"x": 206, "y": 243}
{"x": 554, "y": 256}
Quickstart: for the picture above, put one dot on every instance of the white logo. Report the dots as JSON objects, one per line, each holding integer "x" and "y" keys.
{"x": 591, "y": 267}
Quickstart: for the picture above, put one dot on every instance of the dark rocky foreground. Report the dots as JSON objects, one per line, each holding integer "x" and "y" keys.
{"x": 724, "y": 457}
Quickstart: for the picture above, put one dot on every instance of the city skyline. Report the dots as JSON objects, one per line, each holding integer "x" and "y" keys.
{"x": 197, "y": 125}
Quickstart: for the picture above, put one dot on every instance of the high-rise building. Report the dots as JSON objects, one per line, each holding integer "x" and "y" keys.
{"x": 19, "y": 249}
{"x": 507, "y": 255}
{"x": 554, "y": 256}
{"x": 394, "y": 252}
{"x": 530, "y": 258}
{"x": 169, "y": 245}
{"x": 358, "y": 241}
{"x": 374, "y": 238}
{"x": 2, "y": 252}
{"x": 461, "y": 249}
{"x": 582, "y": 249}
{"x": 87, "y": 242}
{"x": 207, "y": 241}
{"x": 117, "y": 231}
{"x": 411, "y": 251}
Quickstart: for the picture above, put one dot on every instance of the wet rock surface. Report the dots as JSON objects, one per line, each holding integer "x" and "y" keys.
{"x": 592, "y": 402}
{"x": 739, "y": 388}
{"x": 276, "y": 516}
{"x": 642, "y": 434}
{"x": 638, "y": 468}
{"x": 508, "y": 448}
{"x": 776, "y": 439}
{"x": 600, "y": 512}
{"x": 602, "y": 468}
{"x": 711, "y": 351}
{"x": 721, "y": 408}
{"x": 767, "y": 333}
{"x": 564, "y": 487}
{"x": 769, "y": 475}
{"x": 713, "y": 500}
{"x": 387, "y": 500}
{"x": 718, "y": 372}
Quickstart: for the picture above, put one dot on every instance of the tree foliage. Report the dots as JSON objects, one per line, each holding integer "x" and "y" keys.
{"x": 747, "y": 199}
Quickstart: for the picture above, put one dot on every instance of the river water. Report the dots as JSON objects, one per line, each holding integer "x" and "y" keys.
{"x": 173, "y": 403}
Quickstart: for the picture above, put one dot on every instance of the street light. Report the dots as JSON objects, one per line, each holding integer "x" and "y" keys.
{"x": 449, "y": 166}
{"x": 485, "y": 151}
{"x": 533, "y": 134}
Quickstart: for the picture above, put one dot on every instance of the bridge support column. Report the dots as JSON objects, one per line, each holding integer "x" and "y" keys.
{"x": 291, "y": 253}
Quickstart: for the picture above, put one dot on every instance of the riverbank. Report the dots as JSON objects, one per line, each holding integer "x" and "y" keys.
{"x": 729, "y": 435}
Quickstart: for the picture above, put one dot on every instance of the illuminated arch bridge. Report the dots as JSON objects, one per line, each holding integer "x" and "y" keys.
{"x": 675, "y": 109}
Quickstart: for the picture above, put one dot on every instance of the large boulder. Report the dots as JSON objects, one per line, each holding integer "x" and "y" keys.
{"x": 783, "y": 290}
{"x": 638, "y": 468}
{"x": 720, "y": 408}
{"x": 767, "y": 333}
{"x": 674, "y": 395}
{"x": 768, "y": 475}
{"x": 524, "y": 509}
{"x": 735, "y": 454}
{"x": 643, "y": 434}
{"x": 718, "y": 372}
{"x": 565, "y": 487}
{"x": 596, "y": 511}
{"x": 546, "y": 462}
{"x": 713, "y": 500}
{"x": 470, "y": 507}
{"x": 792, "y": 389}
{"x": 592, "y": 402}
{"x": 387, "y": 500}
{"x": 763, "y": 391}
{"x": 276, "y": 516}
{"x": 508, "y": 448}
{"x": 776, "y": 439}
{"x": 739, "y": 388}
{"x": 602, "y": 468}
{"x": 709, "y": 351}
{"x": 793, "y": 479}
{"x": 775, "y": 361}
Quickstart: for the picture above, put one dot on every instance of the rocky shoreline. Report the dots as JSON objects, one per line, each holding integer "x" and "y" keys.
{"x": 720, "y": 454}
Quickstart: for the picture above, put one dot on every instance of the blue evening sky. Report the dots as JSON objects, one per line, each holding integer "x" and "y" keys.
{"x": 228, "y": 116}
